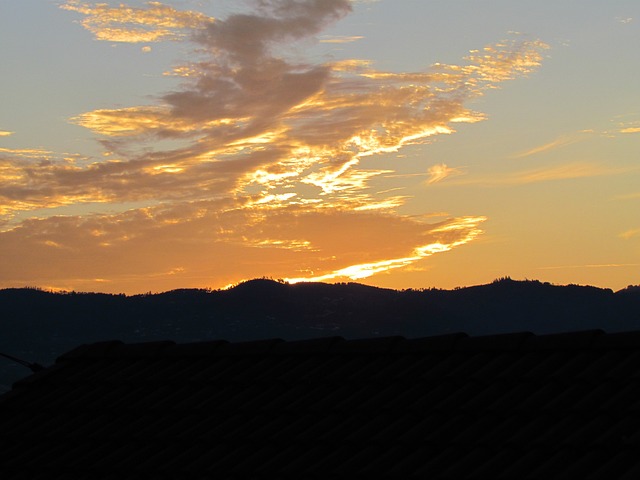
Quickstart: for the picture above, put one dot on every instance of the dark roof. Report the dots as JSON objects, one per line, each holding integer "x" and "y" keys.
{"x": 515, "y": 406}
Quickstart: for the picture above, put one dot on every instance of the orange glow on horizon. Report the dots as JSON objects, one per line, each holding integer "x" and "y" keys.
{"x": 248, "y": 139}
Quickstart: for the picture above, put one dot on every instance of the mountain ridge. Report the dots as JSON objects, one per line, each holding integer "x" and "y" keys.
{"x": 38, "y": 326}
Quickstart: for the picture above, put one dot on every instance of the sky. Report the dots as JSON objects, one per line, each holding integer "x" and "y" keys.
{"x": 148, "y": 146}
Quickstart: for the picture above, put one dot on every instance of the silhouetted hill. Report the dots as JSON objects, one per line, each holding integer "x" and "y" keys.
{"x": 38, "y": 325}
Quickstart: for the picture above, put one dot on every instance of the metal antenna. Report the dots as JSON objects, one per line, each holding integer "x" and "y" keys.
{"x": 34, "y": 367}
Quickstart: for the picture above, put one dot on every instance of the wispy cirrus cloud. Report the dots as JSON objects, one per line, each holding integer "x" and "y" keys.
{"x": 253, "y": 151}
{"x": 593, "y": 265}
{"x": 37, "y": 153}
{"x": 439, "y": 172}
{"x": 122, "y": 23}
{"x": 545, "y": 174}
{"x": 630, "y": 234}
{"x": 625, "y": 124}
{"x": 629, "y": 196}
{"x": 559, "y": 142}
{"x": 444, "y": 237}
{"x": 341, "y": 39}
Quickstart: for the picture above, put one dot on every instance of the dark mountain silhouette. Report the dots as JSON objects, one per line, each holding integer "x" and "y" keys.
{"x": 37, "y": 326}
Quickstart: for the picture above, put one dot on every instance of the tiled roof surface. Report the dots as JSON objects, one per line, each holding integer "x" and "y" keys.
{"x": 516, "y": 406}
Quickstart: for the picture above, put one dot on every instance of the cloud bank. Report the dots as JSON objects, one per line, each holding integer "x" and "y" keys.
{"x": 266, "y": 173}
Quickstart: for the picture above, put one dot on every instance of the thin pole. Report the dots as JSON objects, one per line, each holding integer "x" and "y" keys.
{"x": 34, "y": 367}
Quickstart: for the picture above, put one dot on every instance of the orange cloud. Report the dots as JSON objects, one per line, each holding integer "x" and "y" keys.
{"x": 135, "y": 25}
{"x": 459, "y": 232}
{"x": 5, "y": 133}
{"x": 629, "y": 234}
{"x": 213, "y": 243}
{"x": 259, "y": 163}
{"x": 135, "y": 121}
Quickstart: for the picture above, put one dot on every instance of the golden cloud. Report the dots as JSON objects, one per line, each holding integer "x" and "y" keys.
{"x": 259, "y": 163}
{"x": 5, "y": 133}
{"x": 341, "y": 39}
{"x": 26, "y": 152}
{"x": 439, "y": 172}
{"x": 464, "y": 230}
{"x": 134, "y": 25}
{"x": 131, "y": 121}
{"x": 505, "y": 60}
{"x": 223, "y": 242}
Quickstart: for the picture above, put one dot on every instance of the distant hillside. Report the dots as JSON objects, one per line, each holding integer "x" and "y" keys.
{"x": 38, "y": 325}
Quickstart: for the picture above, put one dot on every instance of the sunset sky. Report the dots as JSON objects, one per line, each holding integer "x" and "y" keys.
{"x": 148, "y": 146}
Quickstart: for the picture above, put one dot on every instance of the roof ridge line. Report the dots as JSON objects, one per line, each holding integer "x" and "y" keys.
{"x": 459, "y": 342}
